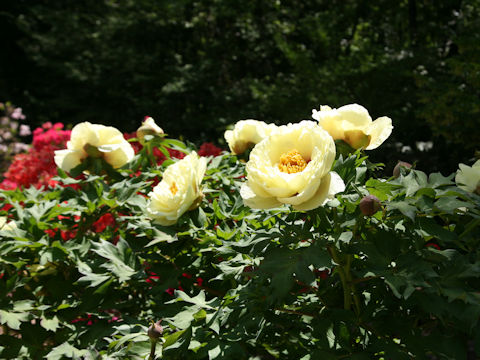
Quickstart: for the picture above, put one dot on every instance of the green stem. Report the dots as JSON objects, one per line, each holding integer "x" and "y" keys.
{"x": 348, "y": 284}
{"x": 351, "y": 283}
{"x": 347, "y": 297}
{"x": 153, "y": 345}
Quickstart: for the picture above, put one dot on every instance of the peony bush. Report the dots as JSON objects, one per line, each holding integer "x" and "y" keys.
{"x": 140, "y": 246}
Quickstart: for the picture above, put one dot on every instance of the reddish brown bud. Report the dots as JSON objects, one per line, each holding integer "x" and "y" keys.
{"x": 369, "y": 205}
{"x": 400, "y": 164}
{"x": 155, "y": 330}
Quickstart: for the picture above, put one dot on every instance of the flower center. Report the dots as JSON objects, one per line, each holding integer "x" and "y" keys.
{"x": 173, "y": 188}
{"x": 292, "y": 162}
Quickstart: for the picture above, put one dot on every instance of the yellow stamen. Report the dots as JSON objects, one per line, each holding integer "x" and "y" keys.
{"x": 292, "y": 162}
{"x": 173, "y": 188}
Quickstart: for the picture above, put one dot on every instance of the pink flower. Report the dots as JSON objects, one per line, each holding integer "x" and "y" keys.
{"x": 25, "y": 130}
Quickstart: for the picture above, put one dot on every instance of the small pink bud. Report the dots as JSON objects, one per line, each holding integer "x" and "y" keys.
{"x": 369, "y": 205}
{"x": 155, "y": 330}
{"x": 400, "y": 164}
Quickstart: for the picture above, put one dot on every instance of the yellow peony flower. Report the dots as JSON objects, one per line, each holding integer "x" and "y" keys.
{"x": 148, "y": 127}
{"x": 178, "y": 191}
{"x": 468, "y": 178}
{"x": 7, "y": 226}
{"x": 247, "y": 133}
{"x": 96, "y": 141}
{"x": 353, "y": 124}
{"x": 292, "y": 166}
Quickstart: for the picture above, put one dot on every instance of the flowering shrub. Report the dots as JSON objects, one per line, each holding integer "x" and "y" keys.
{"x": 382, "y": 269}
{"x": 37, "y": 167}
{"x": 11, "y": 130}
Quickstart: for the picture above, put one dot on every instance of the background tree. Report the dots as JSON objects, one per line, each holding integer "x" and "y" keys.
{"x": 197, "y": 66}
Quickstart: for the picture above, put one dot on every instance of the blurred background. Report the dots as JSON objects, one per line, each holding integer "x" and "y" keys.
{"x": 198, "y": 66}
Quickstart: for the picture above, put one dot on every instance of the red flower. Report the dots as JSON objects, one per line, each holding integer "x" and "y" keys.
{"x": 208, "y": 149}
{"x": 170, "y": 291}
{"x": 51, "y": 232}
{"x": 103, "y": 222}
{"x": 37, "y": 166}
{"x": 68, "y": 234}
{"x": 434, "y": 245}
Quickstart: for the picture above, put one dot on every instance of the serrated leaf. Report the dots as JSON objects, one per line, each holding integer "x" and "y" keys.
{"x": 198, "y": 300}
{"x": 49, "y": 324}
{"x": 404, "y": 207}
{"x": 66, "y": 350}
{"x": 12, "y": 319}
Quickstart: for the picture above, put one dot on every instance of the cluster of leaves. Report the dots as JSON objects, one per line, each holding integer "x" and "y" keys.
{"x": 84, "y": 271}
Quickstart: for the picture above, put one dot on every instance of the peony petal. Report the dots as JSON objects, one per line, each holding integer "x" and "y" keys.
{"x": 109, "y": 147}
{"x": 107, "y": 135}
{"x": 82, "y": 134}
{"x": 336, "y": 185}
{"x": 254, "y": 201}
{"x": 122, "y": 154}
{"x": 354, "y": 116}
{"x": 246, "y": 133}
{"x": 331, "y": 185}
{"x": 468, "y": 177}
{"x": 68, "y": 159}
{"x": 318, "y": 198}
{"x": 379, "y": 130}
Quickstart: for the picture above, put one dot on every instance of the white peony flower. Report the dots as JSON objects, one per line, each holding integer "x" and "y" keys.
{"x": 247, "y": 133}
{"x": 468, "y": 177}
{"x": 353, "y": 124}
{"x": 96, "y": 141}
{"x": 292, "y": 166}
{"x": 148, "y": 127}
{"x": 178, "y": 191}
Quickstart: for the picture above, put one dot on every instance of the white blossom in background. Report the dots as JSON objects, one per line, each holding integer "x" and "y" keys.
{"x": 246, "y": 134}
{"x": 468, "y": 177}
{"x": 352, "y": 123}
{"x": 94, "y": 140}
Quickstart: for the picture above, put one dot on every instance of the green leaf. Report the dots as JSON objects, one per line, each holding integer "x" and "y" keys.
{"x": 450, "y": 204}
{"x": 404, "y": 207}
{"x": 173, "y": 338}
{"x": 437, "y": 180}
{"x": 49, "y": 324}
{"x": 198, "y": 300}
{"x": 66, "y": 350}
{"x": 13, "y": 319}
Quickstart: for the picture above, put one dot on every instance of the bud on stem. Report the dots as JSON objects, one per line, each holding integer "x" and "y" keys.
{"x": 154, "y": 332}
{"x": 369, "y": 205}
{"x": 400, "y": 164}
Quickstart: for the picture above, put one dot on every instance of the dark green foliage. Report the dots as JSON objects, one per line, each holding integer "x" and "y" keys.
{"x": 329, "y": 283}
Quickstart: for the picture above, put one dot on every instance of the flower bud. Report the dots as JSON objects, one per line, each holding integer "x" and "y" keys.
{"x": 148, "y": 127}
{"x": 155, "y": 330}
{"x": 400, "y": 164}
{"x": 369, "y": 205}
